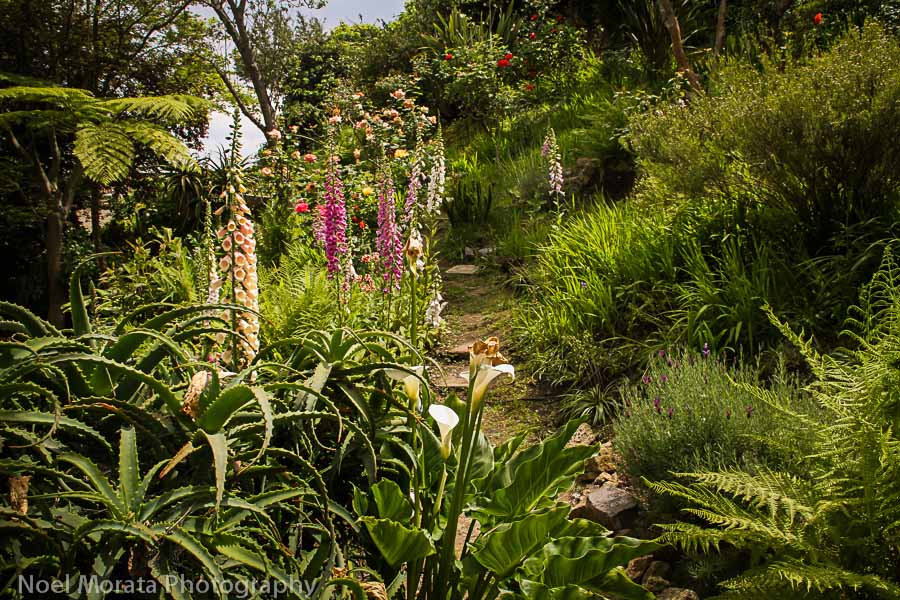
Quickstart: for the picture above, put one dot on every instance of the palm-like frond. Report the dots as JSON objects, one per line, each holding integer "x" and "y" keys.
{"x": 105, "y": 151}
{"x": 161, "y": 143}
{"x": 169, "y": 109}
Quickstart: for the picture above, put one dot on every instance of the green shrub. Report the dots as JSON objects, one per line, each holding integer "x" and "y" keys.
{"x": 815, "y": 141}
{"x": 691, "y": 411}
{"x": 829, "y": 527}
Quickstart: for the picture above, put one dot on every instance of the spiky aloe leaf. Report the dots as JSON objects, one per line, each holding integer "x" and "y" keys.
{"x": 34, "y": 325}
{"x": 12, "y": 327}
{"x": 182, "y": 453}
{"x": 186, "y": 541}
{"x": 236, "y": 548}
{"x": 98, "y": 482}
{"x": 129, "y": 469}
{"x": 223, "y": 408}
{"x": 81, "y": 322}
{"x": 42, "y": 418}
{"x": 151, "y": 508}
{"x": 219, "y": 445}
{"x": 138, "y": 530}
{"x": 122, "y": 351}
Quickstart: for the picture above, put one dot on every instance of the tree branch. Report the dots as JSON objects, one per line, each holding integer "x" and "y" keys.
{"x": 237, "y": 99}
{"x": 681, "y": 58}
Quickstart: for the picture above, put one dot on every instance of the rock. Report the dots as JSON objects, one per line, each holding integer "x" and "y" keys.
{"x": 608, "y": 505}
{"x": 604, "y": 477}
{"x": 677, "y": 594}
{"x": 461, "y": 348}
{"x": 485, "y": 251}
{"x": 469, "y": 252}
{"x": 462, "y": 270}
{"x": 638, "y": 566}
{"x": 655, "y": 584}
{"x": 658, "y": 568}
{"x": 583, "y": 436}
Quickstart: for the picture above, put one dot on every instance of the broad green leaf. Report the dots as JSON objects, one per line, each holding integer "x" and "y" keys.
{"x": 534, "y": 590}
{"x": 535, "y": 475}
{"x": 391, "y": 502}
{"x": 397, "y": 543}
{"x": 619, "y": 585}
{"x": 503, "y": 548}
{"x": 578, "y": 561}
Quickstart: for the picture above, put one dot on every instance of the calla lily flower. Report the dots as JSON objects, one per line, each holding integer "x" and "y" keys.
{"x": 412, "y": 382}
{"x": 446, "y": 420}
{"x": 487, "y": 363}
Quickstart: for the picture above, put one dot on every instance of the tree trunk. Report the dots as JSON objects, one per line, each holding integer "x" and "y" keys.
{"x": 55, "y": 291}
{"x": 720, "y": 29}
{"x": 681, "y": 59}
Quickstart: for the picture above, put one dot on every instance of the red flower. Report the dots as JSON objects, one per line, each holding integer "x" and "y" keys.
{"x": 355, "y": 219}
{"x": 817, "y": 19}
{"x": 508, "y": 56}
{"x": 362, "y": 224}
{"x": 534, "y": 17}
{"x": 302, "y": 207}
{"x": 529, "y": 87}
{"x": 559, "y": 18}
{"x": 503, "y": 62}
{"x": 532, "y": 35}
{"x": 448, "y": 56}
{"x": 553, "y": 30}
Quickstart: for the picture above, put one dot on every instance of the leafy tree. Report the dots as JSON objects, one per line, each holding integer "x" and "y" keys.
{"x": 262, "y": 33}
{"x": 65, "y": 136}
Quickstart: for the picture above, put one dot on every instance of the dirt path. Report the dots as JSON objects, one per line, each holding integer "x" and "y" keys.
{"x": 479, "y": 306}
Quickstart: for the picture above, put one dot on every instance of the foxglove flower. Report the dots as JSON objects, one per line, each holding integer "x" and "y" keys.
{"x": 335, "y": 230}
{"x": 437, "y": 178}
{"x": 388, "y": 244}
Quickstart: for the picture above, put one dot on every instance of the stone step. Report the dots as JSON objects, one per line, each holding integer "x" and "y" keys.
{"x": 462, "y": 270}
{"x": 450, "y": 379}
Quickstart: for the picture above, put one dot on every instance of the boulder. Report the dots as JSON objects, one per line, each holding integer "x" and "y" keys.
{"x": 637, "y": 567}
{"x": 677, "y": 594}
{"x": 583, "y": 436}
{"x": 607, "y": 505}
{"x": 655, "y": 584}
{"x": 658, "y": 568}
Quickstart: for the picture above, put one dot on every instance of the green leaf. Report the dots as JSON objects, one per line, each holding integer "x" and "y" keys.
{"x": 503, "y": 548}
{"x": 40, "y": 418}
{"x": 233, "y": 547}
{"x": 177, "y": 535}
{"x": 34, "y": 325}
{"x": 81, "y": 323}
{"x": 391, "y": 502}
{"x": 580, "y": 561}
{"x": 98, "y": 481}
{"x": 223, "y": 408}
{"x": 137, "y": 530}
{"x": 535, "y": 474}
{"x": 219, "y": 445}
{"x": 619, "y": 585}
{"x": 104, "y": 150}
{"x": 397, "y": 543}
{"x": 128, "y": 469}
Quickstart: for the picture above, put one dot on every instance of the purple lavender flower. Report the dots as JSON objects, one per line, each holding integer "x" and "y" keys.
{"x": 661, "y": 353}
{"x": 646, "y": 379}
{"x": 335, "y": 221}
{"x": 664, "y": 379}
{"x": 670, "y": 412}
{"x": 583, "y": 284}
{"x": 705, "y": 349}
{"x": 656, "y": 402}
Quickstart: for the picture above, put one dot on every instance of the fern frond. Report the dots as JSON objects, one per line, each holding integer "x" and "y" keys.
{"x": 106, "y": 151}
{"x": 799, "y": 577}
{"x": 58, "y": 96}
{"x": 161, "y": 143}
{"x": 174, "y": 108}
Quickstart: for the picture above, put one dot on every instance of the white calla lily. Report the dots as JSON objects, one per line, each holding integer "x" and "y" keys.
{"x": 446, "y": 419}
{"x": 484, "y": 375}
{"x": 412, "y": 382}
